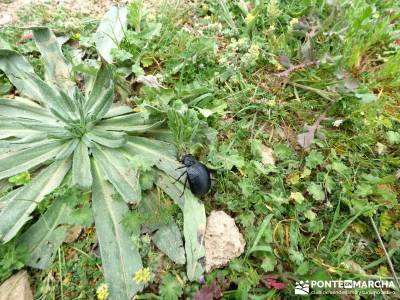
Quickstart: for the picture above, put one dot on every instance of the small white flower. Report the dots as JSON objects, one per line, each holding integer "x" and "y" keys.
{"x": 380, "y": 148}
{"x": 222, "y": 60}
{"x": 337, "y": 123}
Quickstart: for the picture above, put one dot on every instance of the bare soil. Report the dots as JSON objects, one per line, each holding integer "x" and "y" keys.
{"x": 11, "y": 9}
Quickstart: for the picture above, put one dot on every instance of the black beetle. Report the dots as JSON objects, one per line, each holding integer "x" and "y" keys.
{"x": 197, "y": 175}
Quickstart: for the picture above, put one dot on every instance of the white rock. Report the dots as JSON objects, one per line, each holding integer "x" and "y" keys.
{"x": 223, "y": 241}
{"x": 16, "y": 287}
{"x": 267, "y": 155}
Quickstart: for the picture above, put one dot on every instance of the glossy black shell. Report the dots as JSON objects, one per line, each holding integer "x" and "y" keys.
{"x": 198, "y": 176}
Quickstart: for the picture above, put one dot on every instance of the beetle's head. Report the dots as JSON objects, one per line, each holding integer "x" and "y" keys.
{"x": 188, "y": 160}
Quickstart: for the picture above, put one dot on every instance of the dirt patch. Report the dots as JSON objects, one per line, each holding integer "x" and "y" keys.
{"x": 10, "y": 10}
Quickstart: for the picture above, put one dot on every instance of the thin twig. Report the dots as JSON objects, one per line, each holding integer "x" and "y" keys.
{"x": 291, "y": 69}
{"x": 386, "y": 253}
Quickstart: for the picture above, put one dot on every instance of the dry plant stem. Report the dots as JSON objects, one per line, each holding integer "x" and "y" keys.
{"x": 292, "y": 69}
{"x": 386, "y": 254}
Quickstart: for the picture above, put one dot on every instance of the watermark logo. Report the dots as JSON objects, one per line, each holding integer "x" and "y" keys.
{"x": 344, "y": 287}
{"x": 302, "y": 288}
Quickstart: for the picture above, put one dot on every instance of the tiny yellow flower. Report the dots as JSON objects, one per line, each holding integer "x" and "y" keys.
{"x": 242, "y": 41}
{"x": 142, "y": 276}
{"x": 151, "y": 17}
{"x": 273, "y": 8}
{"x": 77, "y": 36}
{"x": 292, "y": 22}
{"x": 146, "y": 238}
{"x": 271, "y": 103}
{"x": 102, "y": 292}
{"x": 250, "y": 17}
{"x": 222, "y": 60}
{"x": 254, "y": 50}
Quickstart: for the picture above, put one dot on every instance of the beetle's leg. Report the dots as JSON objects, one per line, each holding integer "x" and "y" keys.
{"x": 179, "y": 177}
{"x": 180, "y": 168}
{"x": 184, "y": 187}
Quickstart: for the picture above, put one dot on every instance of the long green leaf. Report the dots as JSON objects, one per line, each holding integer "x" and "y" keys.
{"x": 102, "y": 94}
{"x": 13, "y": 163}
{"x": 162, "y": 154}
{"x": 8, "y": 130}
{"x": 161, "y": 134}
{"x": 121, "y": 260}
{"x": 81, "y": 175}
{"x": 68, "y": 148}
{"x": 8, "y": 147}
{"x": 35, "y": 137}
{"x": 42, "y": 239}
{"x": 20, "y": 72}
{"x": 111, "y": 31}
{"x": 57, "y": 69}
{"x": 168, "y": 239}
{"x": 16, "y": 210}
{"x": 61, "y": 105}
{"x": 119, "y": 172}
{"x": 24, "y": 108}
{"x": 173, "y": 190}
{"x": 194, "y": 224}
{"x": 118, "y": 110}
{"x": 51, "y": 129}
{"x": 22, "y": 75}
{"x": 165, "y": 233}
{"x": 111, "y": 139}
{"x": 125, "y": 123}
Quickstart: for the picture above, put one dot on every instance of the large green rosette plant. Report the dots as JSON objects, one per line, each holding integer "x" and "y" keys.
{"x": 63, "y": 134}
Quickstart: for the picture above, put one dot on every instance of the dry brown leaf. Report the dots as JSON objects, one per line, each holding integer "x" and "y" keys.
{"x": 149, "y": 80}
{"x": 73, "y": 233}
{"x": 305, "y": 139}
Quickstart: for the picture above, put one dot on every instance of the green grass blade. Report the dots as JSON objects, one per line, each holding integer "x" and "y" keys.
{"x": 346, "y": 224}
{"x": 263, "y": 227}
